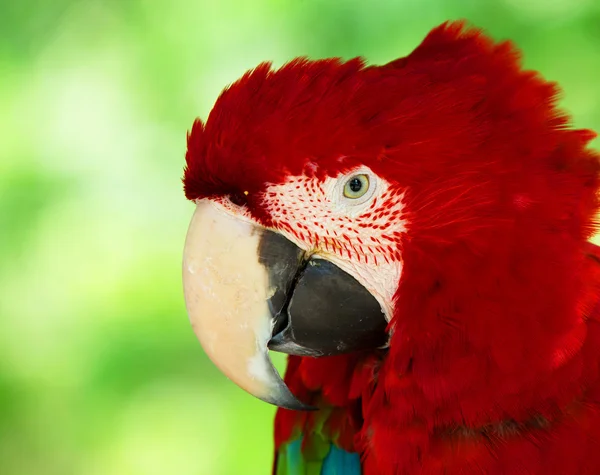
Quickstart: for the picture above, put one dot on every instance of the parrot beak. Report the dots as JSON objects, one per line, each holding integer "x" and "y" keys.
{"x": 248, "y": 289}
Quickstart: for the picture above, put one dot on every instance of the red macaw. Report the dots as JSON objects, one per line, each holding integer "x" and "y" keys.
{"x": 416, "y": 236}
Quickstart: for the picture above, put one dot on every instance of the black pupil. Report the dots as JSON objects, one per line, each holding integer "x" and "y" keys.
{"x": 355, "y": 185}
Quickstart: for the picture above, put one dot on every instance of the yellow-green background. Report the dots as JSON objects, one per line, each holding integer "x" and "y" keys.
{"x": 100, "y": 373}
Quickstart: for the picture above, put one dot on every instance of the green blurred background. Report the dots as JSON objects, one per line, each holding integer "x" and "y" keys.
{"x": 100, "y": 372}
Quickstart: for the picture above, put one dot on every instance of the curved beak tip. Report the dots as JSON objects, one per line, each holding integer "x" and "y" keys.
{"x": 226, "y": 293}
{"x": 283, "y": 397}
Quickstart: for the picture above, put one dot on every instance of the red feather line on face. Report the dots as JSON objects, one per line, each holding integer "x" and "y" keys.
{"x": 318, "y": 224}
{"x": 500, "y": 194}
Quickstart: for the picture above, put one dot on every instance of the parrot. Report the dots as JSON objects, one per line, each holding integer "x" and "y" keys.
{"x": 416, "y": 237}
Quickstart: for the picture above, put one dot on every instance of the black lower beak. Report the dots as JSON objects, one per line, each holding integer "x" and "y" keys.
{"x": 318, "y": 309}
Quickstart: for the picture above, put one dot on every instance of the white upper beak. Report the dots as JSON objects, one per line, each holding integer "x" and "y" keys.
{"x": 226, "y": 293}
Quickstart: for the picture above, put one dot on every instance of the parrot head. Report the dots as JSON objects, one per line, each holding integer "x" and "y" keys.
{"x": 432, "y": 206}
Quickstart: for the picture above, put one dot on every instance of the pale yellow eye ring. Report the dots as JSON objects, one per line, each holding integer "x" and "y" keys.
{"x": 356, "y": 186}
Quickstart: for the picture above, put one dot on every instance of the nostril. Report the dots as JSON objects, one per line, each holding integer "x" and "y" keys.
{"x": 238, "y": 199}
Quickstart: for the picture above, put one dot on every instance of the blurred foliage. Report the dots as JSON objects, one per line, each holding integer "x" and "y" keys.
{"x": 100, "y": 372}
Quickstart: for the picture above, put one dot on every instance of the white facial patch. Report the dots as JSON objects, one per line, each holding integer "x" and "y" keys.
{"x": 360, "y": 235}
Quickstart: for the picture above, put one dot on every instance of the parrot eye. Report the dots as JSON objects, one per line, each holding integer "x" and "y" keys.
{"x": 352, "y": 193}
{"x": 356, "y": 186}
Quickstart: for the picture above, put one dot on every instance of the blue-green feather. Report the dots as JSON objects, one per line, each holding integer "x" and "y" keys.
{"x": 337, "y": 461}
{"x": 295, "y": 462}
{"x": 340, "y": 462}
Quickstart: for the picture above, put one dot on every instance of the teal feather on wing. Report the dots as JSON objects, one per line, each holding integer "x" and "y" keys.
{"x": 292, "y": 461}
{"x": 340, "y": 462}
{"x": 295, "y": 461}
